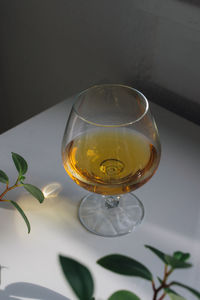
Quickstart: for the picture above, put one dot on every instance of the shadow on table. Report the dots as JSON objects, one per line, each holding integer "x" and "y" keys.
{"x": 17, "y": 290}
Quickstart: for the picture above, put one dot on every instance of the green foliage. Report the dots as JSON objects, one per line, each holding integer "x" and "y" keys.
{"x": 191, "y": 290}
{"x": 79, "y": 277}
{"x": 181, "y": 256}
{"x": 81, "y": 281}
{"x": 22, "y": 214}
{"x": 3, "y": 177}
{"x": 123, "y": 295}
{"x": 22, "y": 167}
{"x": 157, "y": 252}
{"x": 21, "y": 178}
{"x": 33, "y": 190}
{"x": 20, "y": 163}
{"x": 125, "y": 265}
{"x": 176, "y": 263}
{"x": 175, "y": 297}
{"x": 170, "y": 291}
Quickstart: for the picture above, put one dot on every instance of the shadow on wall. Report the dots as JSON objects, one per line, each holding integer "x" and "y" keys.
{"x": 170, "y": 100}
{"x": 195, "y": 2}
{"x": 17, "y": 290}
{"x": 51, "y": 50}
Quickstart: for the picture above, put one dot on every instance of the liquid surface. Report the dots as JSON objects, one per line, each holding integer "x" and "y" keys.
{"x": 110, "y": 162}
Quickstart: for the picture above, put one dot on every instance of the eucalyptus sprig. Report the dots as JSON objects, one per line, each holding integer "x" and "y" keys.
{"x": 81, "y": 280}
{"x": 22, "y": 167}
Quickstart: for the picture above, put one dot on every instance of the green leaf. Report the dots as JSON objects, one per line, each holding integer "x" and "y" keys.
{"x": 123, "y": 295}
{"x": 20, "y": 163}
{"x": 175, "y": 297}
{"x": 22, "y": 214}
{"x": 78, "y": 276}
{"x": 3, "y": 177}
{"x": 193, "y": 291}
{"x": 181, "y": 256}
{"x": 125, "y": 265}
{"x": 33, "y": 190}
{"x": 160, "y": 280}
{"x": 157, "y": 252}
{"x": 170, "y": 291}
{"x": 21, "y": 178}
{"x": 176, "y": 263}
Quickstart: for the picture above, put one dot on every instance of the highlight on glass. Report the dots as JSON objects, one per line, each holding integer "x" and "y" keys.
{"x": 111, "y": 147}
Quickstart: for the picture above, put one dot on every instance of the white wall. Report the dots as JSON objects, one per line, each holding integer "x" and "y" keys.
{"x": 51, "y": 49}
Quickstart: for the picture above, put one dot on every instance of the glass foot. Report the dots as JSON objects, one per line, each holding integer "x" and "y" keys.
{"x": 111, "y": 216}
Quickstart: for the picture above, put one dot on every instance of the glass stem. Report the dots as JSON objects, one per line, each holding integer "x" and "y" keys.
{"x": 111, "y": 201}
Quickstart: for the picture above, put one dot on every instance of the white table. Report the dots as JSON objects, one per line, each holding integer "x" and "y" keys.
{"x": 172, "y": 213}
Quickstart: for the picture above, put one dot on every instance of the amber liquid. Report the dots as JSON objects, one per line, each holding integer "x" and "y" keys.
{"x": 110, "y": 162}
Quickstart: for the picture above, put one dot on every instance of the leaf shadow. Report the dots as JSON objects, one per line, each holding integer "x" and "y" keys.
{"x": 15, "y": 291}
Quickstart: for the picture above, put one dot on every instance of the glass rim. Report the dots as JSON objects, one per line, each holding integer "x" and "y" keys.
{"x": 111, "y": 85}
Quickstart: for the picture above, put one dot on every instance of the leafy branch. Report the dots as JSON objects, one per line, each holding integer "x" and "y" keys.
{"x": 22, "y": 167}
{"x": 81, "y": 281}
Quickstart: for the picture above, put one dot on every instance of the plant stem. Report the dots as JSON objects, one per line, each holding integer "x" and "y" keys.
{"x": 7, "y": 189}
{"x": 163, "y": 284}
{"x": 157, "y": 291}
{"x": 162, "y": 297}
{"x": 153, "y": 286}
